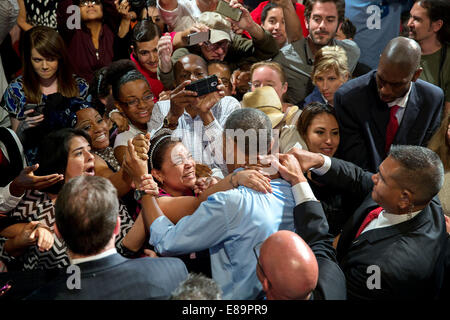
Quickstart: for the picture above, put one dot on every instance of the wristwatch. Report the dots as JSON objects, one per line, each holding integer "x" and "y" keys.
{"x": 167, "y": 124}
{"x": 138, "y": 194}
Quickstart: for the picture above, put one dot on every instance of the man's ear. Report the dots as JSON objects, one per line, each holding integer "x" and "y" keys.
{"x": 117, "y": 227}
{"x": 437, "y": 25}
{"x": 406, "y": 200}
{"x": 417, "y": 74}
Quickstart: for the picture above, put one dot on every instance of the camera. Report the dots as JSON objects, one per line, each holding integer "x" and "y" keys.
{"x": 38, "y": 109}
{"x": 204, "y": 86}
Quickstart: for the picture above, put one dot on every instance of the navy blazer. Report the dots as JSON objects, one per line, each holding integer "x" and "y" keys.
{"x": 410, "y": 255}
{"x": 117, "y": 278}
{"x": 311, "y": 224}
{"x": 363, "y": 119}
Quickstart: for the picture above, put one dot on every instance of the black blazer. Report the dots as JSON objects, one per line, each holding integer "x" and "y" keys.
{"x": 312, "y": 226}
{"x": 363, "y": 119}
{"x": 410, "y": 255}
{"x": 117, "y": 278}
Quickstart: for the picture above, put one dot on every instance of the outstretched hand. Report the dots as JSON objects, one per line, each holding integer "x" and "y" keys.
{"x": 26, "y": 180}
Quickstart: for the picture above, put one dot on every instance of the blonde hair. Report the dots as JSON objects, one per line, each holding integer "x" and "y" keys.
{"x": 439, "y": 143}
{"x": 273, "y": 65}
{"x": 330, "y": 57}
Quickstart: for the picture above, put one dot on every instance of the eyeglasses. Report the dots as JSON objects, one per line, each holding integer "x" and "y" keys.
{"x": 88, "y": 2}
{"x": 214, "y": 46}
{"x": 256, "y": 251}
{"x": 135, "y": 102}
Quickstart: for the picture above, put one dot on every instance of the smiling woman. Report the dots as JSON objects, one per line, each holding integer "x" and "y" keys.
{"x": 68, "y": 152}
{"x": 134, "y": 99}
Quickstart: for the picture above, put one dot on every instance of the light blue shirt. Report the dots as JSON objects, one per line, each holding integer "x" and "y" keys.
{"x": 230, "y": 224}
{"x": 376, "y": 22}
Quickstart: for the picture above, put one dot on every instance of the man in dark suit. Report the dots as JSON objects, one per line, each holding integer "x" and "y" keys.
{"x": 394, "y": 244}
{"x": 300, "y": 266}
{"x": 86, "y": 214}
{"x": 387, "y": 106}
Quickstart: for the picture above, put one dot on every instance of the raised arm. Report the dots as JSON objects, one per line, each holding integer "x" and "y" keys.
{"x": 294, "y": 30}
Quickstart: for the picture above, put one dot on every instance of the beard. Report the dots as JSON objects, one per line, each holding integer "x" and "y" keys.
{"x": 322, "y": 38}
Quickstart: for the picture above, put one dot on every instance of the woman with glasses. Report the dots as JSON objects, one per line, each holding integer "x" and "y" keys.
{"x": 91, "y": 40}
{"x": 134, "y": 99}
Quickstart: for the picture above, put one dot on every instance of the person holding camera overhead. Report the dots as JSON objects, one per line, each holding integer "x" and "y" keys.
{"x": 196, "y": 116}
{"x": 91, "y": 44}
{"x": 46, "y": 70}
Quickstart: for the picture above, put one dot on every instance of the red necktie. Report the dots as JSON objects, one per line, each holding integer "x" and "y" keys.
{"x": 392, "y": 127}
{"x": 371, "y": 216}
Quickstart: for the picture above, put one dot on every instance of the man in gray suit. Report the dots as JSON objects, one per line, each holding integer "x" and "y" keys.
{"x": 86, "y": 213}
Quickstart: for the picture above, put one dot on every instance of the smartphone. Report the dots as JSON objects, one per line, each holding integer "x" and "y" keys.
{"x": 38, "y": 109}
{"x": 204, "y": 86}
{"x": 226, "y": 10}
{"x": 197, "y": 37}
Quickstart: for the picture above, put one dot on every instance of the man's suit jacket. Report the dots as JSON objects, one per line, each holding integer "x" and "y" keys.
{"x": 311, "y": 224}
{"x": 410, "y": 255}
{"x": 363, "y": 119}
{"x": 117, "y": 278}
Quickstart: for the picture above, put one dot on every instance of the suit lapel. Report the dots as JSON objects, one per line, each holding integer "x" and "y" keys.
{"x": 352, "y": 225}
{"x": 379, "y": 234}
{"x": 409, "y": 116}
{"x": 379, "y": 118}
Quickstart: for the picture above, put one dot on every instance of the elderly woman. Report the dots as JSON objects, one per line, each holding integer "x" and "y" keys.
{"x": 330, "y": 71}
{"x": 32, "y": 244}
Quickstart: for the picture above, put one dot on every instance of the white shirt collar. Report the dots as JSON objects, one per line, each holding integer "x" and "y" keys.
{"x": 95, "y": 257}
{"x": 388, "y": 219}
{"x": 402, "y": 101}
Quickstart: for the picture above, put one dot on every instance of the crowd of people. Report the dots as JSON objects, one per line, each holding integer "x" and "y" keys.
{"x": 225, "y": 149}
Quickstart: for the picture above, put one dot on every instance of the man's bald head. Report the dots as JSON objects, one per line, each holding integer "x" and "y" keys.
{"x": 290, "y": 269}
{"x": 399, "y": 66}
{"x": 403, "y": 53}
{"x": 190, "y": 67}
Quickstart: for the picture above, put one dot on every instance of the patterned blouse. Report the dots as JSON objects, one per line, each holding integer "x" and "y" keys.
{"x": 107, "y": 154}
{"x": 14, "y": 101}
{"x": 41, "y": 12}
{"x": 37, "y": 206}
{"x": 14, "y": 98}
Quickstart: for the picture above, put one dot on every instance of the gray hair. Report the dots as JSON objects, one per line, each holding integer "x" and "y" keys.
{"x": 250, "y": 120}
{"x": 423, "y": 172}
{"x": 86, "y": 213}
{"x": 197, "y": 287}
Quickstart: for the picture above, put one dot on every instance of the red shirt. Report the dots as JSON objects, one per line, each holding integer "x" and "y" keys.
{"x": 155, "y": 85}
{"x": 299, "y": 8}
